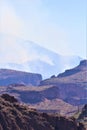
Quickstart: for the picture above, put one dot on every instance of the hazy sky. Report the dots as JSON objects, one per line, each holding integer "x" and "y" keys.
{"x": 59, "y": 25}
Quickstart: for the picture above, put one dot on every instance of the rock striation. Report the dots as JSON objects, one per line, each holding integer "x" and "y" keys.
{"x": 8, "y": 77}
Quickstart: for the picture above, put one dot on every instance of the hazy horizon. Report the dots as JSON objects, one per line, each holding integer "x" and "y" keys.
{"x": 59, "y": 26}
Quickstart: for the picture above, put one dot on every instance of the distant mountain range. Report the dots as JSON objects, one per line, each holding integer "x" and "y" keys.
{"x": 19, "y": 54}
{"x": 72, "y": 84}
{"x": 11, "y": 77}
{"x": 62, "y": 93}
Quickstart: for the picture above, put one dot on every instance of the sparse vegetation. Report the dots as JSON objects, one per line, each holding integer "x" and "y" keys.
{"x": 14, "y": 116}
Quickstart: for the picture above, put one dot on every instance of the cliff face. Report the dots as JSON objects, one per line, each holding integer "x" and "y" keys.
{"x": 14, "y": 116}
{"x": 8, "y": 77}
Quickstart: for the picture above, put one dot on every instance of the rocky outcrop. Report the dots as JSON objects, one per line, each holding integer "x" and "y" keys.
{"x": 71, "y": 84}
{"x": 8, "y": 77}
{"x": 81, "y": 67}
{"x": 14, "y": 116}
{"x": 81, "y": 116}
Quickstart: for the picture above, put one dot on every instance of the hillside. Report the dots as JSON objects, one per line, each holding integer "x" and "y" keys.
{"x": 8, "y": 77}
{"x": 72, "y": 84}
{"x": 75, "y": 75}
{"x": 60, "y": 94}
{"x": 44, "y": 98}
{"x": 15, "y": 116}
{"x": 56, "y": 106}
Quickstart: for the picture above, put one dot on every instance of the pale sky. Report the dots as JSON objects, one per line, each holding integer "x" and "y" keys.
{"x": 59, "y": 25}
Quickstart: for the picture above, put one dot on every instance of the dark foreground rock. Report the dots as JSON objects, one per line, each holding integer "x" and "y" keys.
{"x": 15, "y": 116}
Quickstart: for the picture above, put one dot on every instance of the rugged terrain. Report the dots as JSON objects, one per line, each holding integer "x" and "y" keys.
{"x": 8, "y": 77}
{"x": 72, "y": 84}
{"x": 62, "y": 94}
{"x": 15, "y": 116}
{"x": 44, "y": 99}
{"x": 81, "y": 116}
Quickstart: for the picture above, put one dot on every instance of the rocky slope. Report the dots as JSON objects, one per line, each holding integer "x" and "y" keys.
{"x": 41, "y": 98}
{"x": 15, "y": 116}
{"x": 81, "y": 115}
{"x": 56, "y": 106}
{"x": 58, "y": 94}
{"x": 72, "y": 84}
{"x": 8, "y": 77}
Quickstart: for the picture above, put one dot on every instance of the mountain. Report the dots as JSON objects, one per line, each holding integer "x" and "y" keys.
{"x": 81, "y": 68}
{"x": 19, "y": 54}
{"x": 61, "y": 94}
{"x": 72, "y": 84}
{"x": 44, "y": 99}
{"x": 15, "y": 116}
{"x": 8, "y": 77}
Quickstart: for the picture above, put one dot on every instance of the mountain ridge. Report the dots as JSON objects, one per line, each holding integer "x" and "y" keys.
{"x": 31, "y": 57}
{"x": 72, "y": 84}
{"x": 67, "y": 91}
{"x": 8, "y": 76}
